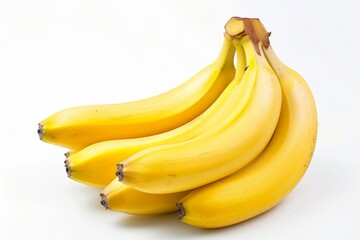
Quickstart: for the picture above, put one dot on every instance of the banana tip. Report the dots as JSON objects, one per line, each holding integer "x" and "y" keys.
{"x": 119, "y": 172}
{"x": 40, "y": 131}
{"x": 67, "y": 168}
{"x": 104, "y": 201}
{"x": 180, "y": 211}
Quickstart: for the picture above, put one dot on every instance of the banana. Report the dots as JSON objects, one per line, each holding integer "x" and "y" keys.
{"x": 95, "y": 165}
{"x": 273, "y": 174}
{"x": 119, "y": 197}
{"x": 78, "y": 127}
{"x": 222, "y": 150}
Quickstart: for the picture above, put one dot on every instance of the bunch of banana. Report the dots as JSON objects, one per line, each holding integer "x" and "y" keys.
{"x": 226, "y": 146}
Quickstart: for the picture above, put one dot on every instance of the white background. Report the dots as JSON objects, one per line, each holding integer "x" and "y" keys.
{"x": 60, "y": 53}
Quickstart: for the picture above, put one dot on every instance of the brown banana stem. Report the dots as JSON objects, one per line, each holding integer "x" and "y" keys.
{"x": 236, "y": 27}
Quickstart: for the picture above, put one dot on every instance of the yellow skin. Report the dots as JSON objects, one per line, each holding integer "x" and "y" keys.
{"x": 95, "y": 165}
{"x": 120, "y": 197}
{"x": 222, "y": 150}
{"x": 70, "y": 152}
{"x": 78, "y": 127}
{"x": 268, "y": 179}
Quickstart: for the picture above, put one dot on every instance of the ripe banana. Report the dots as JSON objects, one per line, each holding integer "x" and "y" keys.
{"x": 119, "y": 197}
{"x": 221, "y": 151}
{"x": 272, "y": 175}
{"x": 81, "y": 126}
{"x": 95, "y": 165}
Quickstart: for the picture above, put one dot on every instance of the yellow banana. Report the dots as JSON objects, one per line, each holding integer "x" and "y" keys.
{"x": 222, "y": 150}
{"x": 95, "y": 165}
{"x": 81, "y": 126}
{"x": 119, "y": 197}
{"x": 272, "y": 175}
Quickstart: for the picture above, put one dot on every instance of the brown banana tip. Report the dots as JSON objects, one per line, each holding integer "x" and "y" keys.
{"x": 104, "y": 201}
{"x": 67, "y": 168}
{"x": 67, "y": 154}
{"x": 119, "y": 172}
{"x": 40, "y": 131}
{"x": 180, "y": 211}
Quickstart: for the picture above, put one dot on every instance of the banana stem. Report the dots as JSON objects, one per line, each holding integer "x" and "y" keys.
{"x": 236, "y": 27}
{"x": 227, "y": 52}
